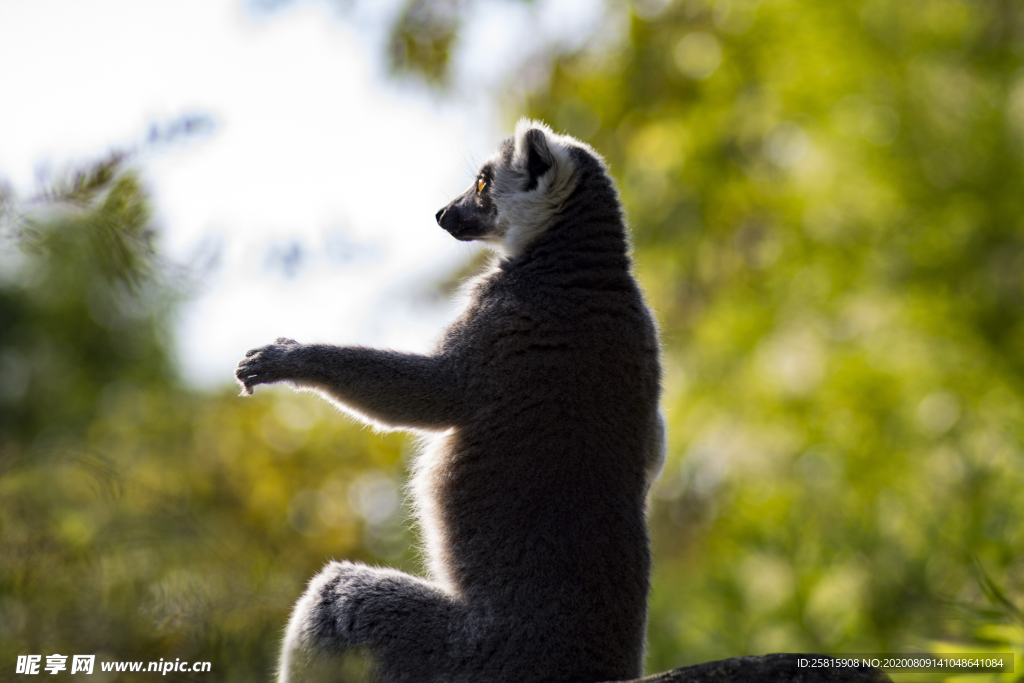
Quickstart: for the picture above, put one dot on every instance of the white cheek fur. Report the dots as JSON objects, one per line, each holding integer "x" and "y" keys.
{"x": 523, "y": 214}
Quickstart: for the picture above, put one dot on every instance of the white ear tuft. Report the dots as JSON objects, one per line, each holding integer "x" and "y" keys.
{"x": 537, "y": 151}
{"x": 524, "y": 126}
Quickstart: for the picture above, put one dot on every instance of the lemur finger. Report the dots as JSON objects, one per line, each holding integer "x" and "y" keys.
{"x": 243, "y": 376}
{"x": 242, "y": 372}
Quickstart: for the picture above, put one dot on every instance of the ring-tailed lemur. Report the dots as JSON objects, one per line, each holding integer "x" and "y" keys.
{"x": 531, "y": 498}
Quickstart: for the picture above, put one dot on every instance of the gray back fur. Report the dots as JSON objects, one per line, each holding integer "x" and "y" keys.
{"x": 543, "y": 397}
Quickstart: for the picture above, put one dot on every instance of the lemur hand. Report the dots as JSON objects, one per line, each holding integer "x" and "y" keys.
{"x": 266, "y": 364}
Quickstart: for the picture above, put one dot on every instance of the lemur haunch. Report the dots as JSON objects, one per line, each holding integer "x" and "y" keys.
{"x": 544, "y": 397}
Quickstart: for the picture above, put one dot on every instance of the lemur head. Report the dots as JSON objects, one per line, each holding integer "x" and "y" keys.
{"x": 518, "y": 192}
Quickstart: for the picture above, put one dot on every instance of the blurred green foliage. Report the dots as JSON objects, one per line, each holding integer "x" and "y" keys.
{"x": 422, "y": 39}
{"x": 828, "y": 218}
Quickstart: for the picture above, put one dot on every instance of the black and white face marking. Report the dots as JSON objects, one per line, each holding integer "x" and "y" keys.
{"x": 518, "y": 192}
{"x": 471, "y": 215}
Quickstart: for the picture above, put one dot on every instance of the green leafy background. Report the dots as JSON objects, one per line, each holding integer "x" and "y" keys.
{"x": 827, "y": 206}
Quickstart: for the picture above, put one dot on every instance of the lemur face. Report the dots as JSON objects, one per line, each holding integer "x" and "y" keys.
{"x": 473, "y": 214}
{"x": 518, "y": 193}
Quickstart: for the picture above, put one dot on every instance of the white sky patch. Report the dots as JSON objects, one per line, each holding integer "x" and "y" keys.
{"x": 320, "y": 180}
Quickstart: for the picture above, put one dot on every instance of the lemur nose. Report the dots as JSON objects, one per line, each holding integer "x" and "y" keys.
{"x": 438, "y": 216}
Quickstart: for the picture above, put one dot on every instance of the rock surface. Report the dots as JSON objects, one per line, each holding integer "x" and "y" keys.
{"x": 775, "y": 668}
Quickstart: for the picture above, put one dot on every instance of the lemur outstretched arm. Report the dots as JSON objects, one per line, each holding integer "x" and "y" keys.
{"x": 396, "y": 390}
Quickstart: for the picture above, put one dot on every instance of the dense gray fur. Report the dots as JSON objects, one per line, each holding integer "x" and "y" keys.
{"x": 543, "y": 397}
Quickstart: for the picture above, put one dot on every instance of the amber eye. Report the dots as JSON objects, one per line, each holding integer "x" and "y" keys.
{"x": 480, "y": 184}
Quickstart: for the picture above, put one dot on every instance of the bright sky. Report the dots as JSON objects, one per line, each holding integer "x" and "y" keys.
{"x": 318, "y": 184}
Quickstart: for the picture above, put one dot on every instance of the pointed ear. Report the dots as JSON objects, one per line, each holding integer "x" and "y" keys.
{"x": 538, "y": 156}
